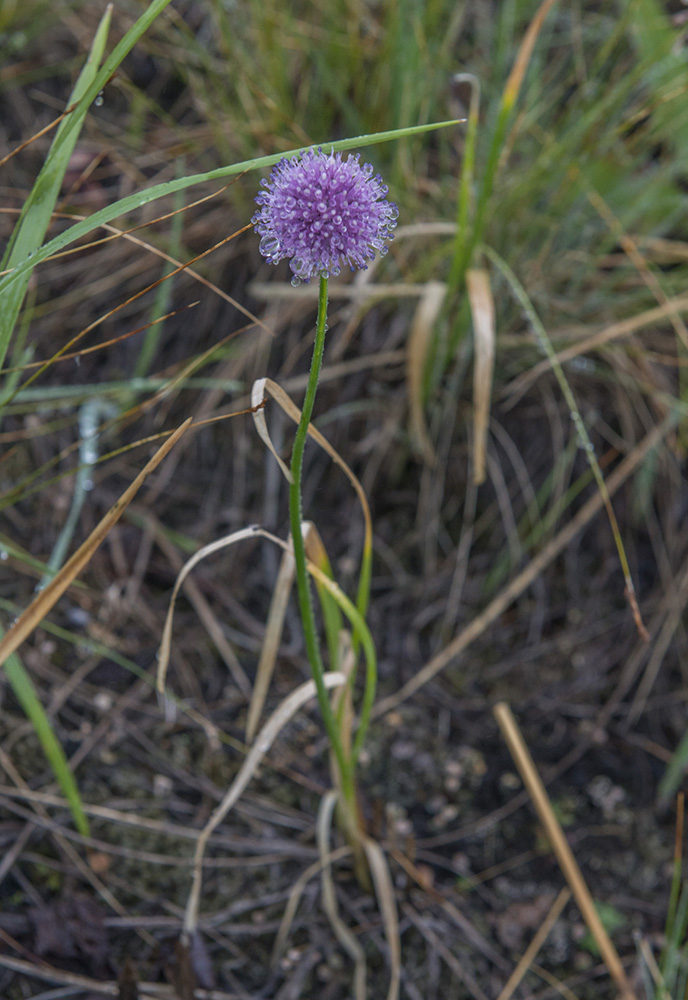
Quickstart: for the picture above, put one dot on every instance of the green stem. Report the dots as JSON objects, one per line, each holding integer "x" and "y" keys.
{"x": 344, "y": 761}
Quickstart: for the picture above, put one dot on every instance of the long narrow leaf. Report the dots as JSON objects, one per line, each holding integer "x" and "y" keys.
{"x": 24, "y": 254}
{"x": 134, "y": 201}
{"x": 25, "y": 693}
{"x": 33, "y": 222}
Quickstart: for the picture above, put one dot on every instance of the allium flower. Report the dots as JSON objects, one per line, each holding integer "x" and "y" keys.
{"x": 319, "y": 210}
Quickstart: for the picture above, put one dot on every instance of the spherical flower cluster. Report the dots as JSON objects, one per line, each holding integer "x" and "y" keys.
{"x": 319, "y": 210}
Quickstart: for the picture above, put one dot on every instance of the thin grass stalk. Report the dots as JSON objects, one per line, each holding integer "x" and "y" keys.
{"x": 25, "y": 693}
{"x": 466, "y": 180}
{"x": 344, "y": 763}
{"x": 581, "y": 430}
{"x": 164, "y": 294}
{"x": 359, "y": 627}
{"x": 678, "y": 863}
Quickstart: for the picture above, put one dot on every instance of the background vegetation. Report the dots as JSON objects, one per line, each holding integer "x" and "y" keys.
{"x": 567, "y": 194}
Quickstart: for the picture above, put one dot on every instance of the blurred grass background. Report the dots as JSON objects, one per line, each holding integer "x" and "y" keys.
{"x": 583, "y": 196}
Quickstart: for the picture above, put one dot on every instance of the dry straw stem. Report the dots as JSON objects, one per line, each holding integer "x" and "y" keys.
{"x": 270, "y": 647}
{"x": 384, "y": 890}
{"x": 483, "y": 313}
{"x": 526, "y": 577}
{"x": 341, "y": 931}
{"x": 76, "y": 984}
{"x": 277, "y": 721}
{"x": 47, "y": 598}
{"x": 257, "y": 397}
{"x": 564, "y": 855}
{"x": 297, "y": 892}
{"x": 528, "y": 957}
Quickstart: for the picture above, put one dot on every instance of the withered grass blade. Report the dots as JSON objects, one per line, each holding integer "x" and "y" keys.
{"x": 419, "y": 344}
{"x": 483, "y": 313}
{"x": 270, "y": 647}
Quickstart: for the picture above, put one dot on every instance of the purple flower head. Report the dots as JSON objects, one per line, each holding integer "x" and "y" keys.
{"x": 318, "y": 210}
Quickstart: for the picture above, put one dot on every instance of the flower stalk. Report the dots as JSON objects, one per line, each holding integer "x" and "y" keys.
{"x": 302, "y": 579}
{"x": 319, "y": 211}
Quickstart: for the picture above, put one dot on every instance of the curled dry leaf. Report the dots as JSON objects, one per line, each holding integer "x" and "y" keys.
{"x": 166, "y": 640}
{"x": 257, "y": 398}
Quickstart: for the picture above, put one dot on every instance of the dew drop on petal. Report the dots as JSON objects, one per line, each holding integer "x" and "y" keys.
{"x": 298, "y": 265}
{"x": 295, "y": 281}
{"x": 269, "y": 245}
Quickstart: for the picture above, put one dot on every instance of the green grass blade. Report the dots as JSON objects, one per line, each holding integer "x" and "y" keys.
{"x": 360, "y": 628}
{"x": 23, "y": 253}
{"x": 673, "y": 776}
{"x": 36, "y": 213}
{"x": 463, "y": 235}
{"x": 163, "y": 297}
{"x": 332, "y": 618}
{"x": 25, "y": 694}
{"x": 138, "y": 200}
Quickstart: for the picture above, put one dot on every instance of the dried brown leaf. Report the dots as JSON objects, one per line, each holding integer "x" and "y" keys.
{"x": 483, "y": 313}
